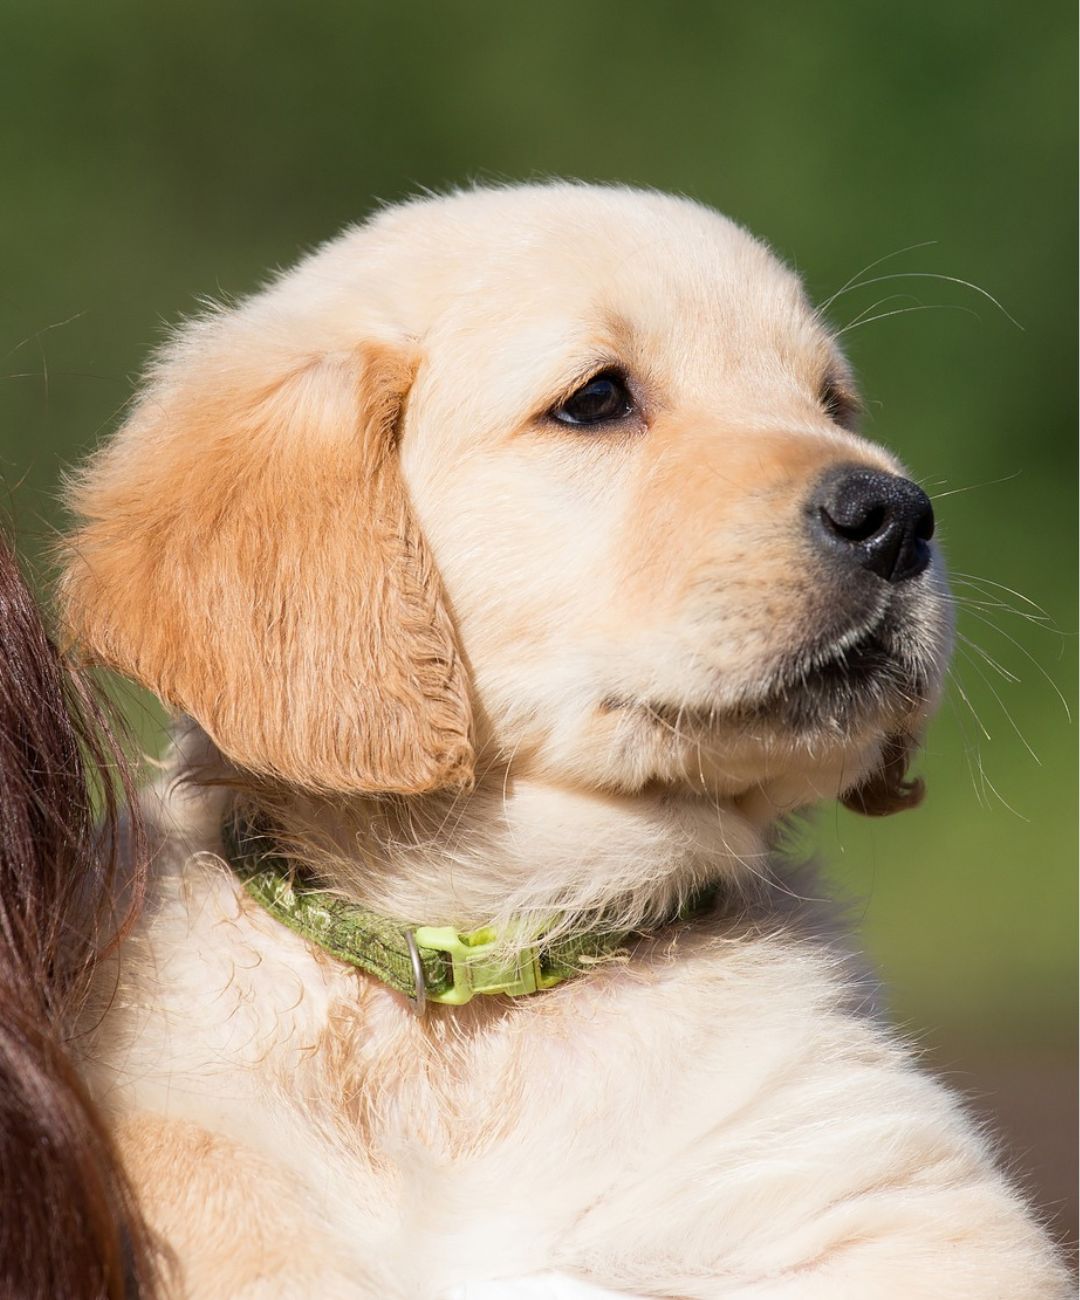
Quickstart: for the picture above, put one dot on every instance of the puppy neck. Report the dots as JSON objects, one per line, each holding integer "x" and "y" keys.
{"x": 526, "y": 851}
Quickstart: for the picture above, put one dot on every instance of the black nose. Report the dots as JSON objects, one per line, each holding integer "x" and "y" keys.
{"x": 880, "y": 522}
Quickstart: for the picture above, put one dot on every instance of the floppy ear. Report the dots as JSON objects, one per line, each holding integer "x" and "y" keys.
{"x": 886, "y": 788}
{"x": 247, "y": 552}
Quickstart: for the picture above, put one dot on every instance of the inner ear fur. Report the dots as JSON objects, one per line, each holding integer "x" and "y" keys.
{"x": 247, "y": 551}
{"x": 886, "y": 789}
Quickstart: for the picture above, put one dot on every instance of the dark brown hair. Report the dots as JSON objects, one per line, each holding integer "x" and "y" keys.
{"x": 69, "y": 1225}
{"x": 886, "y": 789}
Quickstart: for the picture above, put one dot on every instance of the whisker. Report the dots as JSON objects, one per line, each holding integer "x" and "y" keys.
{"x": 984, "y": 779}
{"x": 934, "y": 275}
{"x": 1027, "y": 655}
{"x": 967, "y": 700}
{"x": 1004, "y": 708}
{"x": 911, "y": 248}
{"x": 969, "y": 602}
{"x": 989, "y": 582}
{"x": 891, "y": 297}
{"x": 970, "y": 747}
{"x": 999, "y": 796}
{"x": 903, "y": 311}
{"x": 940, "y": 496}
{"x": 974, "y": 645}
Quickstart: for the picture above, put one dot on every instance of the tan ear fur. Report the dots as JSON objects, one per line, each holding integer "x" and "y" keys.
{"x": 248, "y": 552}
{"x": 886, "y": 789}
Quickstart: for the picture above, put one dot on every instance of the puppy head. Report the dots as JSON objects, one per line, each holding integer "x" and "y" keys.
{"x": 613, "y": 424}
{"x": 671, "y": 557}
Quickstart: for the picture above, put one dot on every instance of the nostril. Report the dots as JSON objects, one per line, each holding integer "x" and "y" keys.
{"x": 859, "y": 530}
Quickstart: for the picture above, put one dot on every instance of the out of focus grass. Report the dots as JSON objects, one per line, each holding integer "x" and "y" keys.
{"x": 155, "y": 153}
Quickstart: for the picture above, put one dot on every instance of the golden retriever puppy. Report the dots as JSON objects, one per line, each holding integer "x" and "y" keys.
{"x": 518, "y": 569}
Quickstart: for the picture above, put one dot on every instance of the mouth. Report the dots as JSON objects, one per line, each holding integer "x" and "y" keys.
{"x": 874, "y": 676}
{"x": 837, "y": 689}
{"x": 842, "y": 686}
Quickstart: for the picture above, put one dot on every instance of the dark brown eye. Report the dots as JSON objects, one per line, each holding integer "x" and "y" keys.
{"x": 838, "y": 404}
{"x": 604, "y": 398}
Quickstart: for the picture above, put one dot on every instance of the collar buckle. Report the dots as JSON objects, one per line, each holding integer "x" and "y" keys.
{"x": 473, "y": 971}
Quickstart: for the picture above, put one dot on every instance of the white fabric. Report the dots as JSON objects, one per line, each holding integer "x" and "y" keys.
{"x": 540, "y": 1286}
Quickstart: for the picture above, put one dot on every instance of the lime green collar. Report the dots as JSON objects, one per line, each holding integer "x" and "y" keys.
{"x": 425, "y": 963}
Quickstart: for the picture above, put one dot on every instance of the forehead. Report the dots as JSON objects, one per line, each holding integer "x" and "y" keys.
{"x": 537, "y": 277}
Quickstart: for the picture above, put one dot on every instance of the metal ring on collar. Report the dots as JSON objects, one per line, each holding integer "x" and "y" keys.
{"x": 419, "y": 1002}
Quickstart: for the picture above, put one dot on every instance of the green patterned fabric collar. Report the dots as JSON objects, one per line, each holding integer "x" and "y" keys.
{"x": 424, "y": 963}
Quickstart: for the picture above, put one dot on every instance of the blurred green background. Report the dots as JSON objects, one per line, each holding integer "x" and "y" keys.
{"x": 153, "y": 154}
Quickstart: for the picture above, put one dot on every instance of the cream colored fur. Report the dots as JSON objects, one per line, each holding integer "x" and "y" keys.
{"x": 477, "y": 665}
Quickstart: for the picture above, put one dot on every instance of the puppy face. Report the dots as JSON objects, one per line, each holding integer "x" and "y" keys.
{"x": 560, "y": 476}
{"x": 620, "y": 445}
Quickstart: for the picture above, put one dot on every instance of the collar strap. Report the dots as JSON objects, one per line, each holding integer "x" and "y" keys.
{"x": 425, "y": 963}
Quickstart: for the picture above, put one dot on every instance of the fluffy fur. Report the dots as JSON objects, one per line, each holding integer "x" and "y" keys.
{"x": 475, "y": 665}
